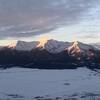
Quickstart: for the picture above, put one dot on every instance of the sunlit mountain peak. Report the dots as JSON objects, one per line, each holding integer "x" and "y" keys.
{"x": 12, "y": 45}
{"x": 43, "y": 40}
{"x": 74, "y": 49}
{"x": 75, "y": 42}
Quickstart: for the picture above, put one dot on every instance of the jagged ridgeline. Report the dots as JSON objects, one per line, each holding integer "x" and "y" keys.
{"x": 50, "y": 54}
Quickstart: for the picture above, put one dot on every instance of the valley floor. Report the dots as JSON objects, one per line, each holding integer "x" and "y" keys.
{"x": 34, "y": 84}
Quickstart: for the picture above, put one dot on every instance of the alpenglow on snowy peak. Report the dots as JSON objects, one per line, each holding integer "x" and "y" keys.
{"x": 74, "y": 48}
{"x": 54, "y": 46}
{"x": 79, "y": 47}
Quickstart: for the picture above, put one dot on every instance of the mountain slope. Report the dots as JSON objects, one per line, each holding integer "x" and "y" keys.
{"x": 96, "y": 45}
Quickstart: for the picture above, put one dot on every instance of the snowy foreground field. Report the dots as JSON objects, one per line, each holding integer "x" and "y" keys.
{"x": 34, "y": 84}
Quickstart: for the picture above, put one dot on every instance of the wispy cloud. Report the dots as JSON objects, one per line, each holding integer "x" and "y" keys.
{"x": 90, "y": 36}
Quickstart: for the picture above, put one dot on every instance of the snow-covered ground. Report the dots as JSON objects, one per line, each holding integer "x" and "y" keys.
{"x": 34, "y": 84}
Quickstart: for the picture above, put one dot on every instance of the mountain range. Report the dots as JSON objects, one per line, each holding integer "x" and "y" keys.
{"x": 50, "y": 54}
{"x": 54, "y": 46}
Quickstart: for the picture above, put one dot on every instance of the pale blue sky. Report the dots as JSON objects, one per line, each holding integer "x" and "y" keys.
{"x": 66, "y": 20}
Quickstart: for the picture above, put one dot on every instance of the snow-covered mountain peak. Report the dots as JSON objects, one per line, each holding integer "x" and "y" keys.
{"x": 55, "y": 46}
{"x": 42, "y": 42}
{"x": 26, "y": 46}
{"x": 79, "y": 47}
{"x": 74, "y": 48}
{"x": 12, "y": 45}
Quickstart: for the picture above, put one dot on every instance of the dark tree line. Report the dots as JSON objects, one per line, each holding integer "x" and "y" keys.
{"x": 42, "y": 59}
